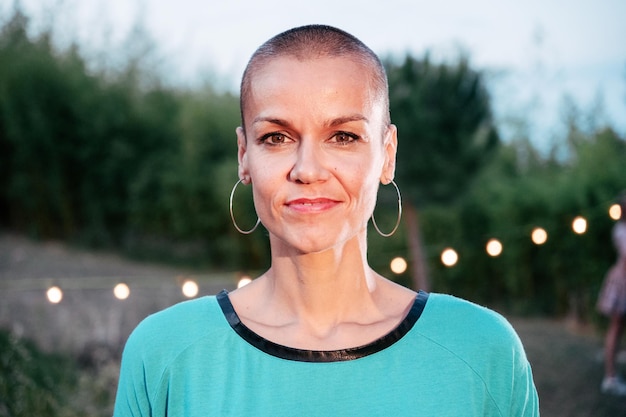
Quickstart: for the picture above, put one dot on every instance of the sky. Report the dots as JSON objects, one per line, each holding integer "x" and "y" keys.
{"x": 536, "y": 52}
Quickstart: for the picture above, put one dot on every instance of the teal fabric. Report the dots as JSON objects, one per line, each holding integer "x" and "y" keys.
{"x": 459, "y": 359}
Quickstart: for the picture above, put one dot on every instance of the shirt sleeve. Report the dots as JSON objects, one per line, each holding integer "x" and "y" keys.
{"x": 525, "y": 401}
{"x": 132, "y": 398}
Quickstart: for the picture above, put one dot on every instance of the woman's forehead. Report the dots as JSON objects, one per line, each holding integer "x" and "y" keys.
{"x": 318, "y": 73}
{"x": 329, "y": 81}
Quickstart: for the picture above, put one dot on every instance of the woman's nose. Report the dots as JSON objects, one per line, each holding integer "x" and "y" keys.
{"x": 309, "y": 165}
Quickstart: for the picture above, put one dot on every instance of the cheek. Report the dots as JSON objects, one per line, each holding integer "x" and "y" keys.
{"x": 265, "y": 186}
{"x": 369, "y": 199}
{"x": 264, "y": 170}
{"x": 364, "y": 186}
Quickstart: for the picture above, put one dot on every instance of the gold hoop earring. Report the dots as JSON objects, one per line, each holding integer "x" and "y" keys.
{"x": 232, "y": 216}
{"x": 399, "y": 215}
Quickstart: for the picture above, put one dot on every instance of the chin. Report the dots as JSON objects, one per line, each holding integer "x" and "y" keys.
{"x": 295, "y": 244}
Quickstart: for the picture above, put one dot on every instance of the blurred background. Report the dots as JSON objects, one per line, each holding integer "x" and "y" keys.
{"x": 118, "y": 154}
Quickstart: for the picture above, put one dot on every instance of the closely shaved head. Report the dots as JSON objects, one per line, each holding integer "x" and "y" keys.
{"x": 311, "y": 42}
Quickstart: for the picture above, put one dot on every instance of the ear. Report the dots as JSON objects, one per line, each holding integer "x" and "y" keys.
{"x": 390, "y": 146}
{"x": 242, "y": 156}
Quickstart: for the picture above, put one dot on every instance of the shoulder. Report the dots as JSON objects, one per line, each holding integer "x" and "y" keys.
{"x": 186, "y": 313}
{"x": 481, "y": 341}
{"x": 458, "y": 309}
{"x": 480, "y": 338}
{"x": 157, "y": 343}
{"x": 449, "y": 319}
{"x": 169, "y": 331}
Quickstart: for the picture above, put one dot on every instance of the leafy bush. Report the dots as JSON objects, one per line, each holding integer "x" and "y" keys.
{"x": 38, "y": 384}
{"x": 33, "y": 383}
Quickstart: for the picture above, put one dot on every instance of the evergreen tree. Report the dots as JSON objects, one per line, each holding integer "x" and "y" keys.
{"x": 446, "y": 133}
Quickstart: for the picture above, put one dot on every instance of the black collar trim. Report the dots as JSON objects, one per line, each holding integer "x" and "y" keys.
{"x": 302, "y": 355}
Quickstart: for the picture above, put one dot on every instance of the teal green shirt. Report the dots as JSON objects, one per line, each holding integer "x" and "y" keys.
{"x": 449, "y": 357}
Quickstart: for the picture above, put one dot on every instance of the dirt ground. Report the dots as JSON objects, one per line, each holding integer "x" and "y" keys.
{"x": 89, "y": 316}
{"x": 91, "y": 322}
{"x": 567, "y": 367}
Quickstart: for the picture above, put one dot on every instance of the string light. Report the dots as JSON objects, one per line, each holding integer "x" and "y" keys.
{"x": 449, "y": 257}
{"x": 494, "y": 247}
{"x": 54, "y": 294}
{"x": 615, "y": 212}
{"x": 190, "y": 288}
{"x": 121, "y": 291}
{"x": 398, "y": 265}
{"x": 579, "y": 225}
{"x": 539, "y": 236}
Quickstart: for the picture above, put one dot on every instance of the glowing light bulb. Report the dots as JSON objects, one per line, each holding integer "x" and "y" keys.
{"x": 449, "y": 257}
{"x": 244, "y": 281}
{"x": 398, "y": 265}
{"x": 494, "y": 247}
{"x": 54, "y": 294}
{"x": 121, "y": 291}
{"x": 579, "y": 225}
{"x": 190, "y": 288}
{"x": 539, "y": 236}
{"x": 615, "y": 212}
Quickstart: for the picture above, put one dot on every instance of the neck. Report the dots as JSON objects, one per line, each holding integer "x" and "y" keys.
{"x": 326, "y": 300}
{"x": 324, "y": 284}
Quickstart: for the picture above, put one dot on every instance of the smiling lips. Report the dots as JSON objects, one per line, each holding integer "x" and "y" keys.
{"x": 315, "y": 205}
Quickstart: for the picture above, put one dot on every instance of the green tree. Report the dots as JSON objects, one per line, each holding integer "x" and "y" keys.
{"x": 39, "y": 103}
{"x": 446, "y": 134}
{"x": 521, "y": 189}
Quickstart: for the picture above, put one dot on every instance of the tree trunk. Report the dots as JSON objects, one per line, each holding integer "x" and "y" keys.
{"x": 416, "y": 249}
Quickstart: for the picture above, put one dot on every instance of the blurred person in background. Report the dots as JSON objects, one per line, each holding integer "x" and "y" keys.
{"x": 321, "y": 333}
{"x": 612, "y": 303}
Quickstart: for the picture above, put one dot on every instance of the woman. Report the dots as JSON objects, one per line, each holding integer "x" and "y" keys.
{"x": 321, "y": 333}
{"x": 612, "y": 303}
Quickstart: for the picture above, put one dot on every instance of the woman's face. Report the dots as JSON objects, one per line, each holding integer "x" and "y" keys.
{"x": 315, "y": 149}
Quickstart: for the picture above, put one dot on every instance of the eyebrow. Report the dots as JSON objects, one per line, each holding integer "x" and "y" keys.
{"x": 330, "y": 123}
{"x": 271, "y": 120}
{"x": 347, "y": 119}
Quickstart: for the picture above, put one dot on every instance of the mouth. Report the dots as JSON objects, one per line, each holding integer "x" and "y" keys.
{"x": 308, "y": 205}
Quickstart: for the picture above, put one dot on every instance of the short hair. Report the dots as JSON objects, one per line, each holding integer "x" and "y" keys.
{"x": 316, "y": 41}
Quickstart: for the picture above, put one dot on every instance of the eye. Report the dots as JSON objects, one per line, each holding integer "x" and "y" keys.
{"x": 273, "y": 138}
{"x": 344, "y": 138}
